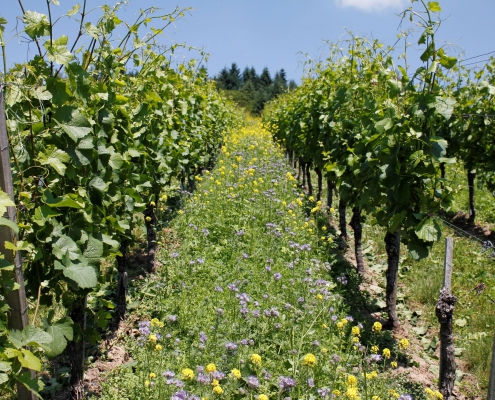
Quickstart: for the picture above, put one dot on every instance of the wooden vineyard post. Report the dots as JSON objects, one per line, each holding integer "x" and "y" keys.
{"x": 16, "y": 299}
{"x": 491, "y": 386}
{"x": 445, "y": 315}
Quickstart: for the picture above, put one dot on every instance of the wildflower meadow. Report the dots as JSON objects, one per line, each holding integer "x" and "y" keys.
{"x": 248, "y": 302}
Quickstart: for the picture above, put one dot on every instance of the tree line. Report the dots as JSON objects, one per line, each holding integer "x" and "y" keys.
{"x": 250, "y": 90}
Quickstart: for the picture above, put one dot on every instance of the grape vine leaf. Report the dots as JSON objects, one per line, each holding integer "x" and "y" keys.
{"x": 60, "y": 332}
{"x": 56, "y": 159}
{"x": 428, "y": 230}
{"x": 57, "y": 51}
{"x": 36, "y": 24}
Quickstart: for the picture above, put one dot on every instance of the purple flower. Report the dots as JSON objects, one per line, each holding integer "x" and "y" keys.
{"x": 218, "y": 289}
{"x": 174, "y": 255}
{"x": 256, "y": 313}
{"x": 241, "y": 233}
{"x": 200, "y": 260}
{"x": 268, "y": 268}
{"x": 376, "y": 357}
{"x": 244, "y": 255}
{"x": 203, "y": 379}
{"x": 300, "y": 300}
{"x": 230, "y": 346}
{"x": 202, "y": 337}
{"x": 311, "y": 382}
{"x": 232, "y": 287}
{"x": 274, "y": 312}
{"x": 252, "y": 382}
{"x": 218, "y": 375}
{"x": 219, "y": 311}
{"x": 168, "y": 374}
{"x": 205, "y": 231}
{"x": 324, "y": 392}
{"x": 172, "y": 318}
{"x": 315, "y": 343}
{"x": 349, "y": 318}
{"x": 406, "y": 397}
{"x": 286, "y": 383}
{"x": 244, "y": 342}
{"x": 277, "y": 276}
{"x": 144, "y": 328}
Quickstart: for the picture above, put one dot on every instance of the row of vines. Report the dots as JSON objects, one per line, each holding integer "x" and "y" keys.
{"x": 92, "y": 148}
{"x": 381, "y": 136}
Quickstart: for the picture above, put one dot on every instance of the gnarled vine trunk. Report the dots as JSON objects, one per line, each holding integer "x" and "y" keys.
{"x": 150, "y": 219}
{"x": 392, "y": 246}
{"x": 343, "y": 222}
{"x": 358, "y": 235}
{"x": 320, "y": 183}
{"x": 472, "y": 211}
{"x": 308, "y": 177}
{"x": 76, "y": 348}
{"x": 122, "y": 265}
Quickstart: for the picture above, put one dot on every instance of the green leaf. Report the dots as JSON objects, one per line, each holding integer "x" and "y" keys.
{"x": 60, "y": 332}
{"x": 56, "y": 159}
{"x": 116, "y": 161}
{"x": 65, "y": 201}
{"x": 29, "y": 336}
{"x": 460, "y": 322}
{"x": 5, "y": 201}
{"x": 94, "y": 250}
{"x": 36, "y": 24}
{"x": 443, "y": 106}
{"x": 75, "y": 132}
{"x": 434, "y": 6}
{"x": 11, "y": 224}
{"x": 34, "y": 384}
{"x": 396, "y": 220}
{"x": 417, "y": 248}
{"x": 420, "y": 330}
{"x": 429, "y": 230}
{"x": 74, "y": 10}
{"x": 5, "y": 366}
{"x": 65, "y": 245}
{"x": 383, "y": 125}
{"x": 438, "y": 148}
{"x": 29, "y": 360}
{"x": 83, "y": 275}
{"x": 3, "y": 377}
{"x": 57, "y": 51}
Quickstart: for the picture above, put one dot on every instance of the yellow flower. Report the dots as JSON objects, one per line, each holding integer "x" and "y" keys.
{"x": 330, "y": 240}
{"x": 147, "y": 383}
{"x": 351, "y": 381}
{"x": 336, "y": 393}
{"x": 374, "y": 349}
{"x": 393, "y": 364}
{"x": 309, "y": 360}
{"x": 256, "y": 359}
{"x": 262, "y": 397}
{"x": 152, "y": 337}
{"x": 386, "y": 353}
{"x": 215, "y": 382}
{"x": 352, "y": 392}
{"x": 148, "y": 219}
{"x": 211, "y": 368}
{"x": 403, "y": 344}
{"x": 324, "y": 350}
{"x": 180, "y": 212}
{"x": 340, "y": 324}
{"x": 332, "y": 210}
{"x": 236, "y": 373}
{"x": 152, "y": 204}
{"x": 375, "y": 398}
{"x": 355, "y": 339}
{"x": 188, "y": 374}
{"x": 324, "y": 326}
{"x": 356, "y": 331}
{"x": 152, "y": 375}
{"x": 319, "y": 296}
{"x": 377, "y": 327}
{"x": 218, "y": 390}
{"x": 156, "y": 322}
{"x": 158, "y": 347}
{"x": 344, "y": 321}
{"x": 433, "y": 394}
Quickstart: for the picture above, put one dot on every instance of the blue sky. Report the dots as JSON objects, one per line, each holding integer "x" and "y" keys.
{"x": 281, "y": 33}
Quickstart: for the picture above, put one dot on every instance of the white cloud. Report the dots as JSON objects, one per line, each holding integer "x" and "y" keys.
{"x": 373, "y": 5}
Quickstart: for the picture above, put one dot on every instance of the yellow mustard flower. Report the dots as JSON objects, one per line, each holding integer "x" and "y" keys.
{"x": 393, "y": 364}
{"x": 262, "y": 397}
{"x": 386, "y": 353}
{"x": 403, "y": 344}
{"x": 324, "y": 350}
{"x": 188, "y": 374}
{"x": 375, "y": 398}
{"x": 236, "y": 373}
{"x": 156, "y": 322}
{"x": 351, "y": 380}
{"x": 152, "y": 375}
{"x": 158, "y": 347}
{"x": 215, "y": 382}
{"x": 147, "y": 383}
{"x": 152, "y": 337}
{"x": 256, "y": 359}
{"x": 356, "y": 331}
{"x": 211, "y": 368}
{"x": 319, "y": 296}
{"x": 309, "y": 360}
{"x": 336, "y": 392}
{"x": 375, "y": 349}
{"x": 218, "y": 390}
{"x": 377, "y": 327}
{"x": 352, "y": 393}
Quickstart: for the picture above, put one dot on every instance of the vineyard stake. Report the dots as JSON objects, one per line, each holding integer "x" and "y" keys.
{"x": 16, "y": 299}
{"x": 445, "y": 314}
{"x": 491, "y": 386}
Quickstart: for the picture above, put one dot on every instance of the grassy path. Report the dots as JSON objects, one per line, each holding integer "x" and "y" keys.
{"x": 250, "y": 298}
